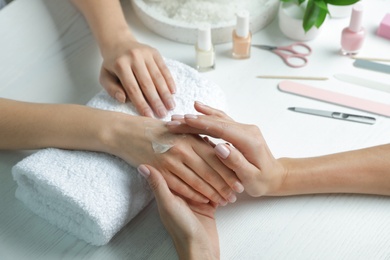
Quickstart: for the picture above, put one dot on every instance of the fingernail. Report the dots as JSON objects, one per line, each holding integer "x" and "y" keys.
{"x": 162, "y": 112}
{"x": 171, "y": 104}
{"x": 144, "y": 171}
{"x": 173, "y": 123}
{"x": 232, "y": 198}
{"x": 190, "y": 116}
{"x": 222, "y": 151}
{"x": 223, "y": 202}
{"x": 120, "y": 97}
{"x": 148, "y": 113}
{"x": 177, "y": 117}
{"x": 238, "y": 187}
{"x": 199, "y": 103}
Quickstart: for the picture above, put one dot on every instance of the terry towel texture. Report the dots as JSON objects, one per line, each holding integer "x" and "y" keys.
{"x": 93, "y": 195}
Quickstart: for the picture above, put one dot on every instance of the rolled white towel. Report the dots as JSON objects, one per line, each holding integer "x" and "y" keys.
{"x": 93, "y": 195}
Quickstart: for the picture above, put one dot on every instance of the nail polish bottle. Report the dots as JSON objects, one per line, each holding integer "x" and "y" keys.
{"x": 352, "y": 37}
{"x": 205, "y": 54}
{"x": 242, "y": 36}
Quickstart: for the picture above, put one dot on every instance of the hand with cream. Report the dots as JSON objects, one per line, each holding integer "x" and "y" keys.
{"x": 187, "y": 162}
{"x": 130, "y": 70}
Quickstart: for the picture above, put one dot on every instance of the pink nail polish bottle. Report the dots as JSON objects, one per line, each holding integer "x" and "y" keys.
{"x": 352, "y": 37}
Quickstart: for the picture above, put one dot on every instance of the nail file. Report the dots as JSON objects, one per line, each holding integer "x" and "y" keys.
{"x": 335, "y": 97}
{"x": 370, "y": 65}
{"x": 363, "y": 82}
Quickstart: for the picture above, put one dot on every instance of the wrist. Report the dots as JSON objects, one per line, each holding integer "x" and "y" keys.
{"x": 286, "y": 171}
{"x": 193, "y": 249}
{"x": 114, "y": 128}
{"x": 114, "y": 39}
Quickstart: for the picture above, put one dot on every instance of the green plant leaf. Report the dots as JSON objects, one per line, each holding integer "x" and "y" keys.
{"x": 315, "y": 14}
{"x": 341, "y": 2}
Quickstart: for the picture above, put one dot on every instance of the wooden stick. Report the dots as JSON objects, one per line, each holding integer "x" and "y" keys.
{"x": 290, "y": 77}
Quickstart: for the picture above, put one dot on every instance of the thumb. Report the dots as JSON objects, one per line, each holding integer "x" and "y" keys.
{"x": 156, "y": 182}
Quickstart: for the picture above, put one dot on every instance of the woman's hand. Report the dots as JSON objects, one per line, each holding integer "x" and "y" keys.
{"x": 130, "y": 70}
{"x": 252, "y": 161}
{"x": 138, "y": 72}
{"x": 191, "y": 224}
{"x": 187, "y": 162}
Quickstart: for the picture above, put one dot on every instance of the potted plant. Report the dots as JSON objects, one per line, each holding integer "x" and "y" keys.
{"x": 310, "y": 14}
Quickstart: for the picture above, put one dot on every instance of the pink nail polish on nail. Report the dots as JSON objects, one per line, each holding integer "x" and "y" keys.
{"x": 232, "y": 198}
{"x": 148, "y": 113}
{"x": 222, "y": 151}
{"x": 144, "y": 171}
{"x": 238, "y": 187}
{"x": 171, "y": 104}
{"x": 177, "y": 117}
{"x": 120, "y": 97}
{"x": 190, "y": 116}
{"x": 223, "y": 203}
{"x": 173, "y": 123}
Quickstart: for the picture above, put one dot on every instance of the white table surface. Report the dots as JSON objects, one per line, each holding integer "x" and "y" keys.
{"x": 47, "y": 54}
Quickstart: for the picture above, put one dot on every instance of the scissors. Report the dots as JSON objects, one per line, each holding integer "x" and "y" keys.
{"x": 293, "y": 55}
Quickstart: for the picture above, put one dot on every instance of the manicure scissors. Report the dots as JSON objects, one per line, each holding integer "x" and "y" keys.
{"x": 293, "y": 55}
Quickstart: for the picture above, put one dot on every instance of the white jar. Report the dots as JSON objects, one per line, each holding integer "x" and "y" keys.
{"x": 291, "y": 22}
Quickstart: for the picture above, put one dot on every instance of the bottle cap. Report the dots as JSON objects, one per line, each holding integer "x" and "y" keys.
{"x": 242, "y": 25}
{"x": 204, "y": 38}
{"x": 355, "y": 24}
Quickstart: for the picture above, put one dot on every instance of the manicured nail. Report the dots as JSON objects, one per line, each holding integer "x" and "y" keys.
{"x": 177, "y": 117}
{"x": 222, "y": 151}
{"x": 232, "y": 198}
{"x": 120, "y": 97}
{"x": 162, "y": 112}
{"x": 144, "y": 171}
{"x": 148, "y": 113}
{"x": 223, "y": 202}
{"x": 190, "y": 116}
{"x": 171, "y": 104}
{"x": 173, "y": 123}
{"x": 238, "y": 187}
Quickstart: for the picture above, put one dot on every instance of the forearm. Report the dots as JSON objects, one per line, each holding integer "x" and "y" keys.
{"x": 32, "y": 126}
{"x": 106, "y": 20}
{"x": 361, "y": 171}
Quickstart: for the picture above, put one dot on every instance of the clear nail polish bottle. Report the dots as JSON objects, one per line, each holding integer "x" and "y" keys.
{"x": 242, "y": 37}
{"x": 352, "y": 37}
{"x": 205, "y": 54}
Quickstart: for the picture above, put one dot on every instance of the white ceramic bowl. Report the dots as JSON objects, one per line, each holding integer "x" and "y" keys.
{"x": 187, "y": 33}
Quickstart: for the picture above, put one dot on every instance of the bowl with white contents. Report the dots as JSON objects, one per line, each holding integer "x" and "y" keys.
{"x": 179, "y": 20}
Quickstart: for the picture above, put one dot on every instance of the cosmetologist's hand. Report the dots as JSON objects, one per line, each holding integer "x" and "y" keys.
{"x": 137, "y": 72}
{"x": 250, "y": 158}
{"x": 191, "y": 224}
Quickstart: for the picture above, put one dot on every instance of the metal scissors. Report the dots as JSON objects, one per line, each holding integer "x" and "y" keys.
{"x": 293, "y": 55}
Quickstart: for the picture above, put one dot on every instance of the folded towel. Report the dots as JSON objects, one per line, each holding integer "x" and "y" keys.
{"x": 93, "y": 195}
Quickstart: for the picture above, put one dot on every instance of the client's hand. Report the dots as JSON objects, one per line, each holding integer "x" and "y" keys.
{"x": 191, "y": 225}
{"x": 137, "y": 71}
{"x": 187, "y": 162}
{"x": 252, "y": 161}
